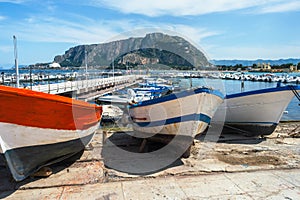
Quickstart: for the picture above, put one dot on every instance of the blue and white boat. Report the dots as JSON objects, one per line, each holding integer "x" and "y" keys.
{"x": 176, "y": 113}
{"x": 148, "y": 93}
{"x": 256, "y": 112}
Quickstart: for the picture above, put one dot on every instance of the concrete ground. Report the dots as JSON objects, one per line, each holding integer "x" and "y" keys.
{"x": 234, "y": 167}
{"x": 270, "y": 184}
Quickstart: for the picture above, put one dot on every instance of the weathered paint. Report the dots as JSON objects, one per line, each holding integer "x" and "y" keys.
{"x": 36, "y": 109}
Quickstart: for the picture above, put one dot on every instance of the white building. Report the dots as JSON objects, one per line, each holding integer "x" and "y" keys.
{"x": 54, "y": 65}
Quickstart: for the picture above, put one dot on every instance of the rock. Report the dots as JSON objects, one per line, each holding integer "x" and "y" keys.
{"x": 43, "y": 172}
{"x": 154, "y": 48}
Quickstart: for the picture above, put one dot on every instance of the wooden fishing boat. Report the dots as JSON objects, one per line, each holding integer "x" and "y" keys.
{"x": 256, "y": 112}
{"x": 185, "y": 113}
{"x": 38, "y": 129}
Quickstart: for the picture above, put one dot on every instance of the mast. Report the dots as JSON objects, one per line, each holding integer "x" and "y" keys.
{"x": 113, "y": 68}
{"x": 16, "y": 61}
{"x": 85, "y": 59}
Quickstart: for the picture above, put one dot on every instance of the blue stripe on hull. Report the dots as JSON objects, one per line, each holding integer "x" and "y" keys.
{"x": 185, "y": 118}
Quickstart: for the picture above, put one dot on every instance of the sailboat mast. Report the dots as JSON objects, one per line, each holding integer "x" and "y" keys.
{"x": 113, "y": 68}
{"x": 85, "y": 60}
{"x": 16, "y": 61}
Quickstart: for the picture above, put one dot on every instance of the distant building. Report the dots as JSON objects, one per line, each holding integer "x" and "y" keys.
{"x": 54, "y": 65}
{"x": 293, "y": 68}
{"x": 264, "y": 66}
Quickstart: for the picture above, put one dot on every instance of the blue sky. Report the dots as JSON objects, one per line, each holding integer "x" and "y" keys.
{"x": 223, "y": 29}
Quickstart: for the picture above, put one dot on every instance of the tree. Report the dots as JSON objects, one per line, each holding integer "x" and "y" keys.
{"x": 286, "y": 66}
{"x": 298, "y": 66}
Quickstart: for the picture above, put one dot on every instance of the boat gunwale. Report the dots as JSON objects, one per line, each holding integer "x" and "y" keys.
{"x": 45, "y": 96}
{"x": 181, "y": 94}
{"x": 262, "y": 91}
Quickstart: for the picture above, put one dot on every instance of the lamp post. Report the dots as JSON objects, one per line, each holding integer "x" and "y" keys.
{"x": 85, "y": 59}
{"x": 113, "y": 68}
{"x": 30, "y": 75}
{"x": 2, "y": 74}
{"x": 16, "y": 61}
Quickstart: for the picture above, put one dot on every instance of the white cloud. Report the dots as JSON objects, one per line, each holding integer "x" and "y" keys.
{"x": 88, "y": 31}
{"x": 6, "y": 49}
{"x": 195, "y": 34}
{"x": 2, "y": 18}
{"x": 13, "y": 1}
{"x": 283, "y": 6}
{"x": 155, "y": 8}
{"x": 177, "y": 7}
{"x": 49, "y": 29}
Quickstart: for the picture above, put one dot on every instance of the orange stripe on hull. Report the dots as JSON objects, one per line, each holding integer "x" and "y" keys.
{"x": 37, "y": 109}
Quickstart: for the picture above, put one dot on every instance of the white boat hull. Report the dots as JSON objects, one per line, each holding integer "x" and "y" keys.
{"x": 38, "y": 129}
{"x": 24, "y": 147}
{"x": 256, "y": 112}
{"x": 185, "y": 114}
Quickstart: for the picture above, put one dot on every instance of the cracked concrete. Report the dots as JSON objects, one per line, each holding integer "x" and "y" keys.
{"x": 234, "y": 168}
{"x": 240, "y": 185}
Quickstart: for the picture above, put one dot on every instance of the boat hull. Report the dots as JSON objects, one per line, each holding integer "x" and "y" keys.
{"x": 38, "y": 129}
{"x": 187, "y": 113}
{"x": 25, "y": 158}
{"x": 256, "y": 112}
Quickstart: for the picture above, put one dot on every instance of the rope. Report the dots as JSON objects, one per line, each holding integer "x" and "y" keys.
{"x": 295, "y": 92}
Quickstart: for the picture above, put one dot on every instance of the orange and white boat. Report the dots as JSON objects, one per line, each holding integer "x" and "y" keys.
{"x": 38, "y": 129}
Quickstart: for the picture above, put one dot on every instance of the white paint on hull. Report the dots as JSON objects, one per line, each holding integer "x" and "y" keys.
{"x": 15, "y": 136}
{"x": 189, "y": 128}
{"x": 263, "y": 109}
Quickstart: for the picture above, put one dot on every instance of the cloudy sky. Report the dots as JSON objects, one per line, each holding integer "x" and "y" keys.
{"x": 223, "y": 29}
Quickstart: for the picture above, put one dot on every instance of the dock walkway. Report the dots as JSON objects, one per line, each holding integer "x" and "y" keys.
{"x": 90, "y": 88}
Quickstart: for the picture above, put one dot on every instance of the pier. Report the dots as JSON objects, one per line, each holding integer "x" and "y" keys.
{"x": 88, "y": 89}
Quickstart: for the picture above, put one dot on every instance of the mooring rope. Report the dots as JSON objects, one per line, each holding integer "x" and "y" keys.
{"x": 295, "y": 92}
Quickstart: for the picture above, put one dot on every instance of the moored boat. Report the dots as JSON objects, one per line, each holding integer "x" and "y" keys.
{"x": 38, "y": 129}
{"x": 111, "y": 113}
{"x": 256, "y": 112}
{"x": 186, "y": 113}
{"x": 147, "y": 93}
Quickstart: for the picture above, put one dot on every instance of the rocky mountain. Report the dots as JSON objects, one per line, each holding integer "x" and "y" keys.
{"x": 154, "y": 48}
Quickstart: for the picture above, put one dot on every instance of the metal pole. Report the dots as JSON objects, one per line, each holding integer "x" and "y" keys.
{"x": 242, "y": 83}
{"x": 2, "y": 73}
{"x": 86, "y": 78}
{"x": 16, "y": 61}
{"x": 113, "y": 68}
{"x": 30, "y": 74}
{"x": 48, "y": 84}
{"x": 113, "y": 71}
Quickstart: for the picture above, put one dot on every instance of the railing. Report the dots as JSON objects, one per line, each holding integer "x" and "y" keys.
{"x": 78, "y": 85}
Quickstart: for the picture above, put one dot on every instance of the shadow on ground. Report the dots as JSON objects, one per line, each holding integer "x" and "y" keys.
{"x": 229, "y": 137}
{"x": 8, "y": 185}
{"x": 125, "y": 153}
